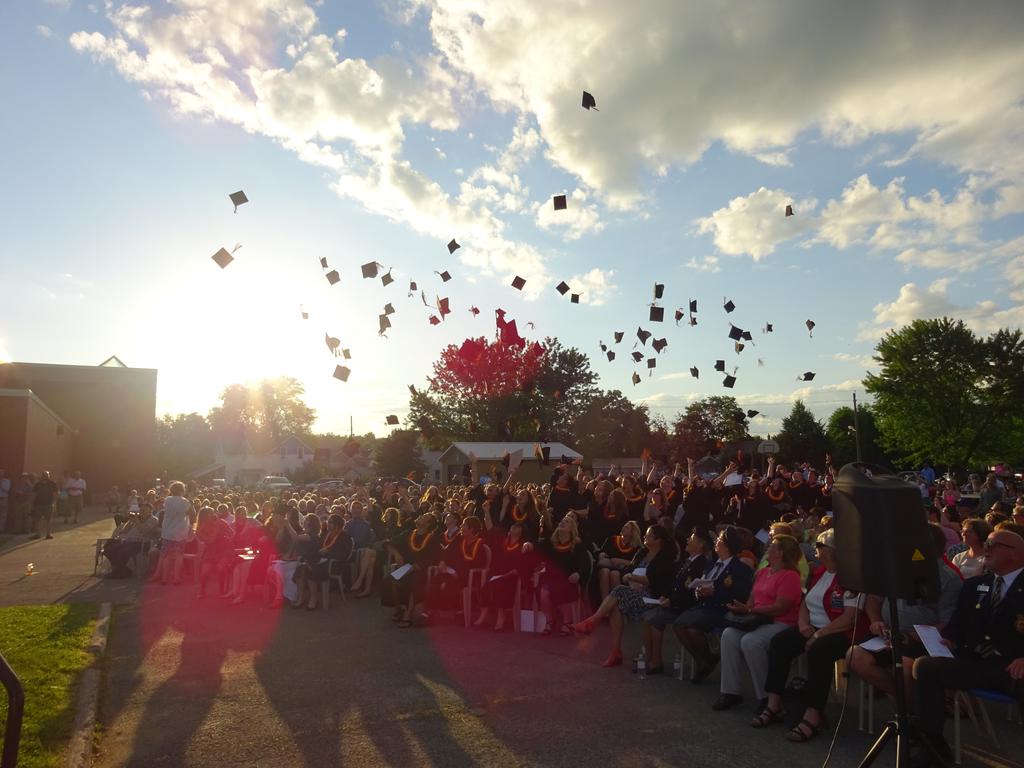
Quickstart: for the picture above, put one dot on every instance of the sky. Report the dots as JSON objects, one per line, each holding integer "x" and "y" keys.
{"x": 378, "y": 131}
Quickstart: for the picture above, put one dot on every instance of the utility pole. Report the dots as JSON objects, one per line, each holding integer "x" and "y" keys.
{"x": 351, "y": 432}
{"x": 856, "y": 426}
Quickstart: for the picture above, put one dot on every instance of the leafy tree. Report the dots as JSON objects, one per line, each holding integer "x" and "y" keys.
{"x": 273, "y": 406}
{"x": 802, "y": 437}
{"x": 398, "y": 454}
{"x": 184, "y": 443}
{"x": 706, "y": 425}
{"x": 943, "y": 393}
{"x": 843, "y": 439}
{"x": 611, "y": 426}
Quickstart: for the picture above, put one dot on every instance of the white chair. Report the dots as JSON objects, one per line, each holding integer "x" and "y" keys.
{"x": 467, "y": 591}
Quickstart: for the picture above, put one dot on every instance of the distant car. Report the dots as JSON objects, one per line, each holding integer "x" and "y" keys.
{"x": 274, "y": 483}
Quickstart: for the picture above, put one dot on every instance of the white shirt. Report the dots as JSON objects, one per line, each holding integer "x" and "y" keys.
{"x": 716, "y": 570}
{"x": 75, "y": 487}
{"x": 176, "y": 526}
{"x": 1008, "y": 580}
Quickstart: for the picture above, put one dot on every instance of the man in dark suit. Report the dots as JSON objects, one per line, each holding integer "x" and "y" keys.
{"x": 725, "y": 580}
{"x": 986, "y": 634}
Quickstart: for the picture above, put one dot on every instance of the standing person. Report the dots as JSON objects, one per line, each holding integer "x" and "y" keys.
{"x": 114, "y": 502}
{"x": 75, "y": 488}
{"x": 44, "y": 495}
{"x": 5, "y": 492}
{"x": 21, "y": 504}
{"x": 175, "y": 530}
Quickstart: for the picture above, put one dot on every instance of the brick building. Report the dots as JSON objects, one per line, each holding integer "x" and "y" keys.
{"x": 97, "y": 419}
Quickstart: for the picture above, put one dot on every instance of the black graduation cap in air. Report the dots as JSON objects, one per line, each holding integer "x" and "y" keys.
{"x": 443, "y": 308}
{"x": 445, "y": 277}
{"x": 808, "y": 376}
{"x": 738, "y": 417}
{"x": 693, "y": 320}
{"x": 735, "y": 333}
{"x": 238, "y": 198}
{"x": 575, "y": 298}
{"x": 589, "y": 102}
{"x": 333, "y": 276}
{"x": 412, "y": 287}
{"x": 385, "y": 323}
{"x": 748, "y": 336}
{"x": 222, "y": 258}
{"x": 387, "y": 279}
{"x": 453, "y": 246}
{"x": 389, "y": 309}
{"x": 810, "y": 327}
{"x": 659, "y": 344}
{"x": 720, "y": 365}
{"x": 562, "y": 288}
{"x": 332, "y": 344}
{"x": 729, "y": 381}
{"x": 638, "y": 356}
{"x": 518, "y": 283}
{"x": 323, "y": 262}
{"x": 611, "y": 355}
{"x": 559, "y": 202}
{"x": 604, "y": 347}
{"x": 618, "y": 336}
{"x": 341, "y": 372}
{"x": 679, "y": 315}
{"x": 752, "y": 414}
{"x": 729, "y": 306}
{"x": 693, "y": 305}
{"x": 346, "y": 353}
{"x": 768, "y": 328}
{"x": 695, "y": 372}
{"x": 789, "y": 210}
{"x": 643, "y": 335}
{"x": 636, "y": 378}
{"x": 412, "y": 389}
{"x": 657, "y": 315}
{"x": 392, "y": 420}
{"x": 369, "y": 270}
{"x": 659, "y": 290}
{"x": 652, "y": 362}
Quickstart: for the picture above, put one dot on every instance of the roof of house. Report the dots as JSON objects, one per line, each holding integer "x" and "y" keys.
{"x": 487, "y": 451}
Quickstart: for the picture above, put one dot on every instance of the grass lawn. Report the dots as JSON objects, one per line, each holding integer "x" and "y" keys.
{"x": 45, "y": 645}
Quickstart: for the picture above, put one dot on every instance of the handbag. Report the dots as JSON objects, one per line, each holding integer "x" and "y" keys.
{"x": 745, "y": 621}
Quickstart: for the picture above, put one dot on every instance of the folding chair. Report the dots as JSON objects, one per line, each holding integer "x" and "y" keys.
{"x": 980, "y": 695}
{"x": 100, "y": 543}
{"x": 467, "y": 591}
{"x": 325, "y": 587}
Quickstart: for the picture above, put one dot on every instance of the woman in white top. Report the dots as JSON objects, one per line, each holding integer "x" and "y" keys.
{"x": 971, "y": 561}
{"x": 175, "y": 531}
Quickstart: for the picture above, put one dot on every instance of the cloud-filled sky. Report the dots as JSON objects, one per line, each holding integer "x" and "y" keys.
{"x": 379, "y": 131}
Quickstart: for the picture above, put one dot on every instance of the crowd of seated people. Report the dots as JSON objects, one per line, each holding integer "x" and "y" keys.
{"x": 742, "y": 566}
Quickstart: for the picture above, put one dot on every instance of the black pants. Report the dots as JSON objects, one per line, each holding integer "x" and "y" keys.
{"x": 935, "y": 675}
{"x": 501, "y": 592}
{"x": 120, "y": 553}
{"x": 821, "y": 658}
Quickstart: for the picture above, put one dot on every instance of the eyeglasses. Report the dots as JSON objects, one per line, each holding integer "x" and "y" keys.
{"x": 990, "y": 545}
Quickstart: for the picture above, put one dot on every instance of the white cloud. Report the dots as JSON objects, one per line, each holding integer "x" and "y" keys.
{"x": 864, "y": 360}
{"x": 44, "y": 31}
{"x": 578, "y": 219}
{"x": 757, "y": 223}
{"x": 705, "y": 264}
{"x": 915, "y": 303}
{"x": 595, "y": 287}
{"x": 954, "y": 85}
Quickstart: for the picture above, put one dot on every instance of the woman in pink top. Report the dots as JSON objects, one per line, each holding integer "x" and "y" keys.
{"x": 774, "y": 604}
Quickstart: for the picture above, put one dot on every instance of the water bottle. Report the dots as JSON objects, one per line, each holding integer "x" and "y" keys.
{"x": 641, "y": 665}
{"x": 677, "y": 665}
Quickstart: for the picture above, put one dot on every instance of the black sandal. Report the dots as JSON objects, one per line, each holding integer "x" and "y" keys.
{"x": 767, "y": 717}
{"x": 798, "y": 736}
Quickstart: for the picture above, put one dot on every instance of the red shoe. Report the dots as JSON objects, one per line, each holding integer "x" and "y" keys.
{"x": 584, "y": 627}
{"x": 614, "y": 659}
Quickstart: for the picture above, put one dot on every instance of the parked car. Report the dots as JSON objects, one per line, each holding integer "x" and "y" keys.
{"x": 274, "y": 483}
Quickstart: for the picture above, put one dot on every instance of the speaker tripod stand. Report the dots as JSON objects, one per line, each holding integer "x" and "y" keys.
{"x": 900, "y": 728}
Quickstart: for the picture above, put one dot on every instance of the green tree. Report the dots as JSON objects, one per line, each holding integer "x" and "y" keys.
{"x": 706, "y": 426}
{"x": 272, "y": 406}
{"x": 184, "y": 443}
{"x": 398, "y": 454}
{"x": 802, "y": 437}
{"x": 943, "y": 393}
{"x": 611, "y": 426}
{"x": 843, "y": 439}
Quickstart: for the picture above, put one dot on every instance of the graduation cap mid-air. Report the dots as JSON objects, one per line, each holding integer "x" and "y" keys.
{"x": 412, "y": 287}
{"x": 720, "y": 365}
{"x": 445, "y": 277}
{"x": 346, "y": 353}
{"x": 679, "y": 315}
{"x": 474, "y": 311}
{"x": 693, "y": 305}
{"x": 562, "y": 288}
{"x": 518, "y": 283}
{"x": 435, "y": 320}
{"x": 222, "y": 258}
{"x": 238, "y": 198}
{"x": 385, "y": 323}
{"x": 391, "y": 420}
{"x": 305, "y": 314}
{"x": 729, "y": 382}
{"x": 728, "y": 305}
{"x": 575, "y": 298}
{"x": 332, "y": 344}
{"x": 735, "y": 333}
{"x": 808, "y": 376}
{"x": 695, "y": 372}
{"x": 333, "y": 276}
{"x": 752, "y": 414}
{"x": 638, "y": 356}
{"x": 618, "y": 336}
{"x": 810, "y": 327}
{"x": 636, "y": 378}
{"x": 748, "y": 336}
{"x": 611, "y": 355}
{"x": 657, "y": 315}
{"x": 652, "y": 362}
{"x": 739, "y": 347}
{"x": 659, "y": 290}
{"x": 369, "y": 270}
{"x": 768, "y": 328}
{"x": 387, "y": 279}
{"x": 341, "y": 372}
{"x": 659, "y": 344}
{"x": 323, "y": 262}
{"x": 453, "y": 246}
{"x": 643, "y": 335}
{"x": 443, "y": 308}
{"x": 559, "y": 202}
{"x": 389, "y": 309}
{"x": 589, "y": 102}
{"x": 789, "y": 210}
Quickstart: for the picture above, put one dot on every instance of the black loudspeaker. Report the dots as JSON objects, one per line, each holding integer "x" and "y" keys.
{"x": 883, "y": 545}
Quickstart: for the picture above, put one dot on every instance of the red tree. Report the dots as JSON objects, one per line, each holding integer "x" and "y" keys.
{"x": 482, "y": 369}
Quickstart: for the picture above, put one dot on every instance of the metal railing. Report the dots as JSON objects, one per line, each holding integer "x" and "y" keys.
{"x": 15, "y": 710}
